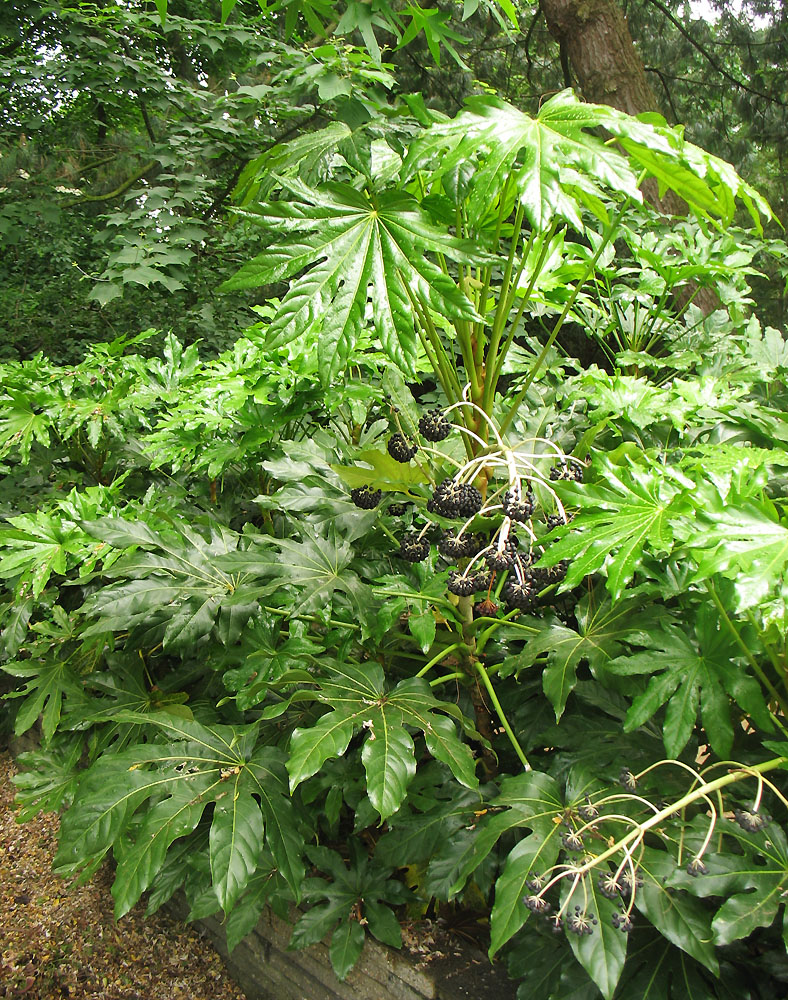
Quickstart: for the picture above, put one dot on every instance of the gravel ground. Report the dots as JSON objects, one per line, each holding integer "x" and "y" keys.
{"x": 57, "y": 942}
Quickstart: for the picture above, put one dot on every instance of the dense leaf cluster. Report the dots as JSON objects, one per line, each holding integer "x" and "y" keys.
{"x": 246, "y": 694}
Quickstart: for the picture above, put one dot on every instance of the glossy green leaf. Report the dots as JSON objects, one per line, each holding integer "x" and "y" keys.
{"x": 347, "y": 941}
{"x": 602, "y": 953}
{"x": 535, "y": 799}
{"x": 684, "y": 921}
{"x": 616, "y": 521}
{"x": 690, "y": 673}
{"x": 389, "y": 760}
{"x": 358, "y": 249}
{"x": 235, "y": 841}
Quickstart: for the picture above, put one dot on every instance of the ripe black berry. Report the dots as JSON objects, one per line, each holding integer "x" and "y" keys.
{"x": 365, "y": 497}
{"x": 556, "y": 521}
{"x": 413, "y": 548}
{"x": 517, "y": 506}
{"x": 519, "y": 593}
{"x": 502, "y": 558}
{"x": 536, "y": 904}
{"x": 452, "y": 499}
{"x": 462, "y": 586}
{"x": 400, "y": 448}
{"x": 696, "y": 867}
{"x": 434, "y": 426}
{"x": 752, "y": 822}
{"x": 567, "y": 470}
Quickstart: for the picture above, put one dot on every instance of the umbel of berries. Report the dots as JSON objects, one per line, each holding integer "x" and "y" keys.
{"x": 453, "y": 499}
{"x": 462, "y": 586}
{"x": 434, "y": 426}
{"x": 518, "y": 506}
{"x": 365, "y": 497}
{"x": 567, "y": 470}
{"x": 400, "y": 448}
{"x": 502, "y": 558}
{"x": 414, "y": 548}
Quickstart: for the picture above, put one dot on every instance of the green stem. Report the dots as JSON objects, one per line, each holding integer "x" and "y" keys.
{"x": 498, "y": 362}
{"x": 606, "y": 238}
{"x": 778, "y": 667}
{"x": 438, "y": 657}
{"x": 758, "y": 670}
{"x": 501, "y": 715}
{"x": 310, "y": 618}
{"x": 702, "y": 791}
{"x": 448, "y": 677}
{"x": 389, "y": 534}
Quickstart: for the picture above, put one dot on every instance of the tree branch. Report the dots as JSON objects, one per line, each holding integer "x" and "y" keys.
{"x": 668, "y": 95}
{"x": 118, "y": 190}
{"x": 711, "y": 59}
{"x": 221, "y": 197}
{"x": 529, "y": 62}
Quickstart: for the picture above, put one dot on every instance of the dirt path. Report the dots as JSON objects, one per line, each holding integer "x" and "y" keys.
{"x": 59, "y": 943}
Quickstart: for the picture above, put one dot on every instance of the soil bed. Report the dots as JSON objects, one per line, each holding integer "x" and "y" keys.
{"x": 57, "y": 942}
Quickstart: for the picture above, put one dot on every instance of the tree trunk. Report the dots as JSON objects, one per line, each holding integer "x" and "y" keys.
{"x": 595, "y": 36}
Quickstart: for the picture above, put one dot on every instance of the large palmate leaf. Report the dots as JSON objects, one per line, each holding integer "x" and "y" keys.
{"x": 600, "y": 631}
{"x": 175, "y": 579}
{"x": 178, "y": 779}
{"x": 554, "y": 158}
{"x": 354, "y": 249}
{"x": 693, "y": 673}
{"x": 359, "y": 701}
{"x": 633, "y": 509}
{"x": 746, "y": 543}
{"x": 316, "y": 567}
{"x": 560, "y": 164}
{"x": 362, "y": 887}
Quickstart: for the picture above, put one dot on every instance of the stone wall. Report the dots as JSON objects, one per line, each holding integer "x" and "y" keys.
{"x": 264, "y": 968}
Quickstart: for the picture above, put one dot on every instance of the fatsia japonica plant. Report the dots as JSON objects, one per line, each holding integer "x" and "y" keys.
{"x": 505, "y": 631}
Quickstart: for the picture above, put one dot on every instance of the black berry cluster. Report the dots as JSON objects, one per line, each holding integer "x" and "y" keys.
{"x": 609, "y": 886}
{"x": 453, "y": 499}
{"x": 518, "y": 506}
{"x": 752, "y": 822}
{"x": 365, "y": 497}
{"x": 458, "y": 547}
{"x": 462, "y": 586}
{"x": 434, "y": 426}
{"x": 519, "y": 594}
{"x": 537, "y": 904}
{"x": 414, "y": 548}
{"x": 500, "y": 558}
{"x": 396, "y": 509}
{"x": 567, "y": 470}
{"x": 572, "y": 841}
{"x": 580, "y": 922}
{"x": 401, "y": 448}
